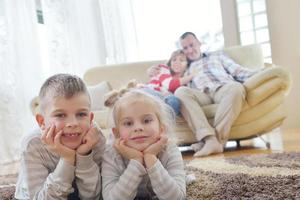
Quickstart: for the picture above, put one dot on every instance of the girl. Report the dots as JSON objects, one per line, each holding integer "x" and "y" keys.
{"x": 171, "y": 77}
{"x": 141, "y": 164}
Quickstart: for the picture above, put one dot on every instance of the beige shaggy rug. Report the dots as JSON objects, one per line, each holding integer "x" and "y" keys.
{"x": 265, "y": 176}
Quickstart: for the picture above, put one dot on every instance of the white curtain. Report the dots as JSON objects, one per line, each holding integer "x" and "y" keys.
{"x": 19, "y": 73}
{"x": 75, "y": 35}
{"x": 119, "y": 31}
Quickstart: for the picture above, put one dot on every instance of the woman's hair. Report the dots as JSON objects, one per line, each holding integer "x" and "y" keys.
{"x": 61, "y": 85}
{"x": 164, "y": 113}
{"x": 173, "y": 55}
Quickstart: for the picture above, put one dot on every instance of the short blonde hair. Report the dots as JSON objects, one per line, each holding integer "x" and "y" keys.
{"x": 164, "y": 112}
{"x": 61, "y": 85}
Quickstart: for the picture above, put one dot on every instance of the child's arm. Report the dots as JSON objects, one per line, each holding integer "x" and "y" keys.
{"x": 43, "y": 174}
{"x": 186, "y": 79}
{"x": 167, "y": 175}
{"x": 88, "y": 163}
{"x": 120, "y": 182}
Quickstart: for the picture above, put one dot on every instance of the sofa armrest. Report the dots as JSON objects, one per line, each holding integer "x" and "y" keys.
{"x": 265, "y": 83}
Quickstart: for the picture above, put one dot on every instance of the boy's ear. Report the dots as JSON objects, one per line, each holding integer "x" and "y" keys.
{"x": 115, "y": 132}
{"x": 40, "y": 119}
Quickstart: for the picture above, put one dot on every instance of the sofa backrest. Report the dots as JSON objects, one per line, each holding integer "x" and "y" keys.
{"x": 119, "y": 74}
{"x": 250, "y": 56}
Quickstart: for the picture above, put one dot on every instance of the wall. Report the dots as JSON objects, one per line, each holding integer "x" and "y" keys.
{"x": 284, "y": 26}
{"x": 230, "y": 21}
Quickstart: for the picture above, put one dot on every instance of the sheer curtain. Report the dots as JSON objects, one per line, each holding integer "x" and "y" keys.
{"x": 19, "y": 73}
{"x": 119, "y": 31}
{"x": 75, "y": 35}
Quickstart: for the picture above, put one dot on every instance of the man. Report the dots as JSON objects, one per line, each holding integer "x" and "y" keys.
{"x": 218, "y": 81}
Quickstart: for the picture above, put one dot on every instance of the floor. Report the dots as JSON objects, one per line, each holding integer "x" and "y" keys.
{"x": 280, "y": 140}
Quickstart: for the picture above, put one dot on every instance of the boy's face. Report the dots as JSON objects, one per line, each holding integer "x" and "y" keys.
{"x": 179, "y": 64}
{"x": 72, "y": 115}
{"x": 138, "y": 125}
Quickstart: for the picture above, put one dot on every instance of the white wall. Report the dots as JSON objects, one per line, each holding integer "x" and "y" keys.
{"x": 284, "y": 25}
{"x": 230, "y": 21}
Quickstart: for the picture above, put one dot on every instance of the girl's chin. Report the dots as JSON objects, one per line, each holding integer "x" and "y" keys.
{"x": 73, "y": 147}
{"x": 140, "y": 147}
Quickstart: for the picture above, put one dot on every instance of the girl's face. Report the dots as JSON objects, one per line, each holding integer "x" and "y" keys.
{"x": 179, "y": 64}
{"x": 138, "y": 125}
{"x": 72, "y": 115}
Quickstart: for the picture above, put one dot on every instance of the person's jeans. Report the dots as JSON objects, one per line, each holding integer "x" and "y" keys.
{"x": 170, "y": 100}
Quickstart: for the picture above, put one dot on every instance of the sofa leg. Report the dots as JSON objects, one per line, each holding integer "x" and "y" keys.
{"x": 238, "y": 143}
{"x": 268, "y": 145}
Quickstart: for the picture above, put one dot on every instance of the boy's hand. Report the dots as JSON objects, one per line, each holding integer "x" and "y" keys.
{"x": 89, "y": 141}
{"x": 54, "y": 144}
{"x": 128, "y": 152}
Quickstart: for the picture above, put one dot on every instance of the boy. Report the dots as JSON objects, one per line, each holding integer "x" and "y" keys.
{"x": 62, "y": 159}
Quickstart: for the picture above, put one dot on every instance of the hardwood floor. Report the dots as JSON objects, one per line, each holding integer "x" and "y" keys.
{"x": 280, "y": 140}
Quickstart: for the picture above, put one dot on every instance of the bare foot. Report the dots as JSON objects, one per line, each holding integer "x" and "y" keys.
{"x": 211, "y": 146}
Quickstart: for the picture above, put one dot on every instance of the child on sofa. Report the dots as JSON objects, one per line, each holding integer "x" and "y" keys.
{"x": 141, "y": 163}
{"x": 171, "y": 77}
{"x": 62, "y": 159}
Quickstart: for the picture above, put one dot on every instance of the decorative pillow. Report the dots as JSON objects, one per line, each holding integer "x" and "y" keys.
{"x": 97, "y": 93}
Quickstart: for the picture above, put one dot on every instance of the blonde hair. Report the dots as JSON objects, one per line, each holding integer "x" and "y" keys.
{"x": 164, "y": 113}
{"x": 61, "y": 85}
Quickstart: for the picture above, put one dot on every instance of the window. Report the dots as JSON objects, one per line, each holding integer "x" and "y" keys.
{"x": 253, "y": 25}
{"x": 159, "y": 25}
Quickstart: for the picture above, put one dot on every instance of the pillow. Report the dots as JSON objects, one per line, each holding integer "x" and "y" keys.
{"x": 97, "y": 93}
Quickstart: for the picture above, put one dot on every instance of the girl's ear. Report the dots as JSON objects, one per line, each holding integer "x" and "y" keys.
{"x": 162, "y": 129}
{"x": 40, "y": 120}
{"x": 116, "y": 132}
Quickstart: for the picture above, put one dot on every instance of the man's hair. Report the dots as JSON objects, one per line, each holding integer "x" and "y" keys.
{"x": 61, "y": 85}
{"x": 184, "y": 35}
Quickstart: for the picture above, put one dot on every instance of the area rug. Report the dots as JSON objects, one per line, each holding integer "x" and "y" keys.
{"x": 265, "y": 176}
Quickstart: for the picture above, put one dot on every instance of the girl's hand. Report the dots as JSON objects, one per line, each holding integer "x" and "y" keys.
{"x": 157, "y": 146}
{"x": 53, "y": 143}
{"x": 89, "y": 141}
{"x": 150, "y": 154}
{"x": 128, "y": 152}
{"x": 153, "y": 70}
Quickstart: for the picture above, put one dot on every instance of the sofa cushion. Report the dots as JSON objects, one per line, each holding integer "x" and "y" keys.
{"x": 101, "y": 118}
{"x": 97, "y": 93}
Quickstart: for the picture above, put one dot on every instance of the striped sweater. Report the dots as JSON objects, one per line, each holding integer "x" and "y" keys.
{"x": 128, "y": 179}
{"x": 44, "y": 175}
{"x": 164, "y": 81}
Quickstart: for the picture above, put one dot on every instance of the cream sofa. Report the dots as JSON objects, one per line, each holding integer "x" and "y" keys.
{"x": 263, "y": 110}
